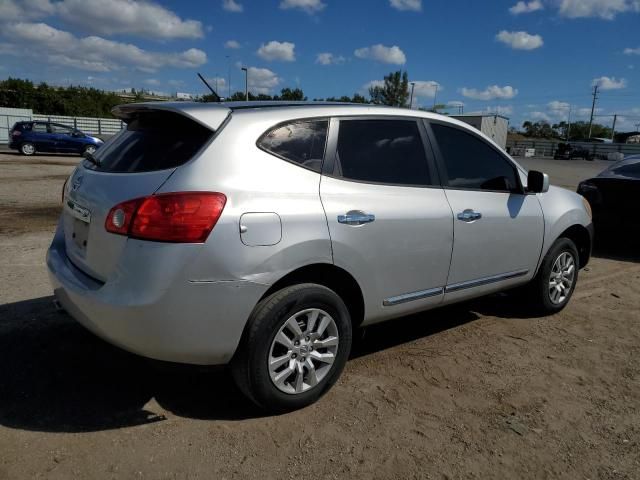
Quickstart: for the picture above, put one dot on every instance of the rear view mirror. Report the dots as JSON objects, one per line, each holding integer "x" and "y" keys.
{"x": 537, "y": 182}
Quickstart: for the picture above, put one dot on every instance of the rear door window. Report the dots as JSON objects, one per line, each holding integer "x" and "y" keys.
{"x": 300, "y": 142}
{"x": 40, "y": 128}
{"x": 382, "y": 151}
{"x": 471, "y": 163}
{"x": 152, "y": 141}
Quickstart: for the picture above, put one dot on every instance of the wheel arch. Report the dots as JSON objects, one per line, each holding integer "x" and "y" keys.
{"x": 330, "y": 276}
{"x": 579, "y": 235}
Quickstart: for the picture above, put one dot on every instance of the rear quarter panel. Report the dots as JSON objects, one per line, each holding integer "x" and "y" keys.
{"x": 255, "y": 181}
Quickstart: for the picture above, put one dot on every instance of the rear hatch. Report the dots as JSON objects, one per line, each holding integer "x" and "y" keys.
{"x": 157, "y": 140}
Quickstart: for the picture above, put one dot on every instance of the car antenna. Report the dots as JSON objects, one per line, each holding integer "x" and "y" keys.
{"x": 215, "y": 94}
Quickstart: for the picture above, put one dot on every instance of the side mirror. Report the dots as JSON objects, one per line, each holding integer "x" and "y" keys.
{"x": 537, "y": 182}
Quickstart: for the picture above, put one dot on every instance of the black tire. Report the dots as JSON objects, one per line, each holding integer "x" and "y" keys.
{"x": 538, "y": 291}
{"x": 249, "y": 366}
{"x": 27, "y": 148}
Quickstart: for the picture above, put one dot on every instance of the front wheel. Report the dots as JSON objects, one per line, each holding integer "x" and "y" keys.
{"x": 553, "y": 286}
{"x": 294, "y": 348}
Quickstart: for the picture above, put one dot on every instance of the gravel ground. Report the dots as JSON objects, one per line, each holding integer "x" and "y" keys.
{"x": 480, "y": 390}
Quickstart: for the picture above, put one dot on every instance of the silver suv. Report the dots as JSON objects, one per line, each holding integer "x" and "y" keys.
{"x": 262, "y": 235}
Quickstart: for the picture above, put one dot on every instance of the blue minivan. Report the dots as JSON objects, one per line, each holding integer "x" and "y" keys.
{"x": 32, "y": 137}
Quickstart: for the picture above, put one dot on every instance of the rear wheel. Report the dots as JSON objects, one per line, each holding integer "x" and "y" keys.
{"x": 27, "y": 148}
{"x": 294, "y": 348}
{"x": 552, "y": 288}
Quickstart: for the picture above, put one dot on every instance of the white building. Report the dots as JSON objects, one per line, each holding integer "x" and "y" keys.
{"x": 494, "y": 126}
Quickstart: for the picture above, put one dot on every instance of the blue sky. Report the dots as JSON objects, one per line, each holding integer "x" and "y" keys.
{"x": 532, "y": 59}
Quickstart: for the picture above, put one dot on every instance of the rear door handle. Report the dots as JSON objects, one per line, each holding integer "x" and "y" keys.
{"x": 356, "y": 217}
{"x": 469, "y": 215}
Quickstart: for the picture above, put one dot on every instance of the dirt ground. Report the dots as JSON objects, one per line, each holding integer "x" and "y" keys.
{"x": 480, "y": 390}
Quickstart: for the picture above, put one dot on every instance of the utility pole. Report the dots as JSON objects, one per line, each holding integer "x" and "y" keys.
{"x": 246, "y": 83}
{"x": 569, "y": 124}
{"x": 413, "y": 84}
{"x": 593, "y": 106}
{"x": 613, "y": 128}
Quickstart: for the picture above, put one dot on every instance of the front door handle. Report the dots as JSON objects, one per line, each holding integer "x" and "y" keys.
{"x": 356, "y": 217}
{"x": 469, "y": 215}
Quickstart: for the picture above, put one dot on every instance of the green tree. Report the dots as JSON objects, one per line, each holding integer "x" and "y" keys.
{"x": 291, "y": 95}
{"x": 394, "y": 92}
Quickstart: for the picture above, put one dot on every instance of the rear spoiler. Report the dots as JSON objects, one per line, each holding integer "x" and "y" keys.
{"x": 209, "y": 115}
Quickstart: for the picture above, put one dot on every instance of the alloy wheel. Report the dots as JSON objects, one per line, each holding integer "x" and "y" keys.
{"x": 303, "y": 351}
{"x": 561, "y": 278}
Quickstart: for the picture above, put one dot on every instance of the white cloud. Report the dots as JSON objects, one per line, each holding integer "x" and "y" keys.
{"x": 606, "y": 9}
{"x": 154, "y": 82}
{"x": 176, "y": 83}
{"x": 262, "y": 80}
{"x": 412, "y": 5}
{"x": 309, "y": 6}
{"x": 110, "y": 17}
{"x": 520, "y": 40}
{"x": 382, "y": 54}
{"x": 327, "y": 58}
{"x": 540, "y": 116}
{"x": 609, "y": 83}
{"x": 490, "y": 93}
{"x": 92, "y": 53}
{"x": 232, "y": 6}
{"x": 218, "y": 83}
{"x": 426, "y": 88}
{"x": 25, "y": 9}
{"x": 280, "y": 51}
{"x": 371, "y": 84}
{"x": 233, "y": 44}
{"x": 558, "y": 108}
{"x": 500, "y": 109}
{"x": 632, "y": 51}
{"x": 526, "y": 7}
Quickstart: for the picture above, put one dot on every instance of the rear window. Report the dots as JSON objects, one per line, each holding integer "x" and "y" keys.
{"x": 152, "y": 141}
{"x": 22, "y": 127}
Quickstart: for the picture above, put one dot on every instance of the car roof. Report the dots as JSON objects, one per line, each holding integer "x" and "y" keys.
{"x": 212, "y": 115}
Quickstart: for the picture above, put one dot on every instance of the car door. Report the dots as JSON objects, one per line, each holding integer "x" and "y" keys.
{"x": 389, "y": 219}
{"x": 42, "y": 139}
{"x": 498, "y": 228}
{"x": 64, "y": 140}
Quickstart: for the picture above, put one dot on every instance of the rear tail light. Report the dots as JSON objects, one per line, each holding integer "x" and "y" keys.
{"x": 16, "y": 133}
{"x": 179, "y": 217}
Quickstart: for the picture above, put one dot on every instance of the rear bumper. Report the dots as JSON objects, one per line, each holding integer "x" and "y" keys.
{"x": 189, "y": 322}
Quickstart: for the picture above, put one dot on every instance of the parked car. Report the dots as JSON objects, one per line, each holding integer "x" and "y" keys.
{"x": 261, "y": 235}
{"x": 613, "y": 196}
{"x": 32, "y": 137}
{"x": 567, "y": 151}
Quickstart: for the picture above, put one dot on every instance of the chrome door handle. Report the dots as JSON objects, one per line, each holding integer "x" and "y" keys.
{"x": 356, "y": 217}
{"x": 469, "y": 215}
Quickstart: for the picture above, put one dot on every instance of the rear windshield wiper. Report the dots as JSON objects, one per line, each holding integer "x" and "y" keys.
{"x": 89, "y": 156}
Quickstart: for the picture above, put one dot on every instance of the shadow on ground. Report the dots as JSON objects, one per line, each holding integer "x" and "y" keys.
{"x": 55, "y": 376}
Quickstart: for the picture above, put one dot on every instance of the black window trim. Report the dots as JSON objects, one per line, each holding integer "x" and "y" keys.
{"x": 289, "y": 122}
{"x": 441, "y": 165}
{"x": 332, "y": 147}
